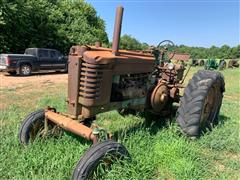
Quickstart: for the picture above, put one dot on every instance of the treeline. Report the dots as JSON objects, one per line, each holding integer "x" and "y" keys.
{"x": 57, "y": 24}
{"x": 223, "y": 52}
{"x": 130, "y": 43}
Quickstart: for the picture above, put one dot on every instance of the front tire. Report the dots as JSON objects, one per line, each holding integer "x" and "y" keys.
{"x": 99, "y": 156}
{"x": 33, "y": 127}
{"x": 201, "y": 102}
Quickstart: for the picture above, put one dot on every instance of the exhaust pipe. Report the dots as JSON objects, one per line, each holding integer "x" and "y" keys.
{"x": 117, "y": 30}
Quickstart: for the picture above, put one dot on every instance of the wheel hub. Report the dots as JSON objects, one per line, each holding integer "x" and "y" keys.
{"x": 159, "y": 97}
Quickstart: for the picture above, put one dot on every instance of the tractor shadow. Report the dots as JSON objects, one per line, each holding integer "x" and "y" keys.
{"x": 152, "y": 123}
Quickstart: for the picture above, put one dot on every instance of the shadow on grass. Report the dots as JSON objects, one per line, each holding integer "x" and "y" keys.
{"x": 222, "y": 119}
{"x": 152, "y": 124}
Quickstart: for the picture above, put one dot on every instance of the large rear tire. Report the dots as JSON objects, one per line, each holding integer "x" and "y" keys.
{"x": 98, "y": 157}
{"x": 201, "y": 103}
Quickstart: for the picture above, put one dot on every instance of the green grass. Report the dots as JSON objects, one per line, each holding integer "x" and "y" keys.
{"x": 157, "y": 151}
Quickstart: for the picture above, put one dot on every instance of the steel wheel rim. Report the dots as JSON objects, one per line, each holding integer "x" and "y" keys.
{"x": 26, "y": 70}
{"x": 210, "y": 106}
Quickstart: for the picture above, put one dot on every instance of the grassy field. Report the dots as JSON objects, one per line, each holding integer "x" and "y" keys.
{"x": 158, "y": 151}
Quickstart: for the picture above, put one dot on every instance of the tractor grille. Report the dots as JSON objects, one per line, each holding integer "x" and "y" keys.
{"x": 90, "y": 80}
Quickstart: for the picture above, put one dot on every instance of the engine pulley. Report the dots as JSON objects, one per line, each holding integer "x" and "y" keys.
{"x": 159, "y": 97}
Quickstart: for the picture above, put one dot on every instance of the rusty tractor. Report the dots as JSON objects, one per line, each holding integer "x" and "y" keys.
{"x": 103, "y": 79}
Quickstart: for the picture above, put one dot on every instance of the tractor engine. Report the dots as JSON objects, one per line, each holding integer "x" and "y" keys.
{"x": 129, "y": 86}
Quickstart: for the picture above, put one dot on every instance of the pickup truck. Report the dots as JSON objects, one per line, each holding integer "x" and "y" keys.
{"x": 33, "y": 60}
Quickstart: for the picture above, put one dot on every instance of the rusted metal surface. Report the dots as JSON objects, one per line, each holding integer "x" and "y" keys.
{"x": 117, "y": 30}
{"x": 174, "y": 93}
{"x": 159, "y": 97}
{"x": 73, "y": 84}
{"x": 174, "y": 75}
{"x": 71, "y": 125}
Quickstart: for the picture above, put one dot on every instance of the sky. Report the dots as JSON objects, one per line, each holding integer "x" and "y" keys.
{"x": 190, "y": 22}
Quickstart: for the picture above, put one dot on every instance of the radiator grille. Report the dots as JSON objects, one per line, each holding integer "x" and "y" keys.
{"x": 90, "y": 80}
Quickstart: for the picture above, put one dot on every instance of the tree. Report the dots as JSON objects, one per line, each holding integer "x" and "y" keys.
{"x": 130, "y": 43}
{"x": 78, "y": 23}
{"x": 213, "y": 52}
{"x": 55, "y": 24}
{"x": 145, "y": 46}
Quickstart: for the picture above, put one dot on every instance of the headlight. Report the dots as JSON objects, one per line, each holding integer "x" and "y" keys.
{"x": 170, "y": 66}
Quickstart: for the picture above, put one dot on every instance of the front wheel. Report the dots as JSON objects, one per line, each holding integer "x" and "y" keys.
{"x": 33, "y": 127}
{"x": 97, "y": 159}
{"x": 201, "y": 103}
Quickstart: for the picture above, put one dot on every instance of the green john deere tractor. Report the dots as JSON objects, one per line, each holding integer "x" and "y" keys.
{"x": 212, "y": 64}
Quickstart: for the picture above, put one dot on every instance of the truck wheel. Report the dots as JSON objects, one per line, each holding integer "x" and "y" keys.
{"x": 33, "y": 126}
{"x": 25, "y": 70}
{"x": 97, "y": 159}
{"x": 201, "y": 102}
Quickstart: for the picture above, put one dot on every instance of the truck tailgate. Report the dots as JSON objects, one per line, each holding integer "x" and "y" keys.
{"x": 2, "y": 60}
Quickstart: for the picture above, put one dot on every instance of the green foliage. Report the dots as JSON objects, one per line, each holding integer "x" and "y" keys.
{"x": 224, "y": 52}
{"x": 55, "y": 24}
{"x": 130, "y": 43}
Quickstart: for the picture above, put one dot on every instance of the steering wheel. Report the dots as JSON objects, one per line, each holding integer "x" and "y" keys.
{"x": 167, "y": 49}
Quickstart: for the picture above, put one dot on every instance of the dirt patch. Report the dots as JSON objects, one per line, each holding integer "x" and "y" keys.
{"x": 22, "y": 90}
{"x": 7, "y": 81}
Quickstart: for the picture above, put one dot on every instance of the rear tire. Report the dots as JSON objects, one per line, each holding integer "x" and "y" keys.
{"x": 201, "y": 103}
{"x": 98, "y": 155}
{"x": 25, "y": 70}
